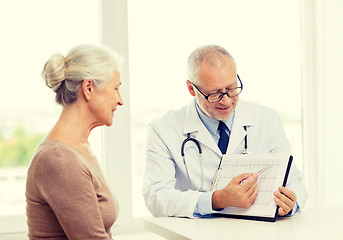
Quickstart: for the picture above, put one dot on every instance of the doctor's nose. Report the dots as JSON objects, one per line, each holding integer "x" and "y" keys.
{"x": 225, "y": 99}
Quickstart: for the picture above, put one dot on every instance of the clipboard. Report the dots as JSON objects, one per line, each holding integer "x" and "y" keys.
{"x": 264, "y": 208}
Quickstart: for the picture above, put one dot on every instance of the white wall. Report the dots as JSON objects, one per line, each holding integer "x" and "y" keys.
{"x": 322, "y": 76}
{"x": 331, "y": 95}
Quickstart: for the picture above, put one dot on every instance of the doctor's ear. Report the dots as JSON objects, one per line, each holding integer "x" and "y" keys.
{"x": 190, "y": 88}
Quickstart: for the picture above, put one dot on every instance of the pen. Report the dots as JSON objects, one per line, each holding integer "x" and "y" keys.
{"x": 259, "y": 172}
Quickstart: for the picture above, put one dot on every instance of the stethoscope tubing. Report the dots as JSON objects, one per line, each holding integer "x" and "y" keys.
{"x": 189, "y": 138}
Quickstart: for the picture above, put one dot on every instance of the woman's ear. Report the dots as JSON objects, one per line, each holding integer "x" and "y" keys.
{"x": 190, "y": 88}
{"x": 87, "y": 88}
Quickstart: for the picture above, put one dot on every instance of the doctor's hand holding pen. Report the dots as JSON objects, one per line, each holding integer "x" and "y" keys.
{"x": 240, "y": 192}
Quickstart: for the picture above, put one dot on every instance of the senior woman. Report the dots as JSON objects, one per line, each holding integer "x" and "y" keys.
{"x": 66, "y": 193}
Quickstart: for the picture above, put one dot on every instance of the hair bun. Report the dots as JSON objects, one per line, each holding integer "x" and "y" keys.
{"x": 54, "y": 72}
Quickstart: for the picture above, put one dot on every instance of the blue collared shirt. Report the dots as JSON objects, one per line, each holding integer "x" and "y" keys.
{"x": 212, "y": 125}
{"x": 204, "y": 205}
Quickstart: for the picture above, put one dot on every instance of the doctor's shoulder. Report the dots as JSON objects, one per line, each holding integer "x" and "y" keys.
{"x": 173, "y": 117}
{"x": 259, "y": 111}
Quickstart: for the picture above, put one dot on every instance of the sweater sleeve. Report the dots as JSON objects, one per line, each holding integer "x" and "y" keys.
{"x": 67, "y": 187}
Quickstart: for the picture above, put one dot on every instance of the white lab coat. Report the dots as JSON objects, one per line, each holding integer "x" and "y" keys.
{"x": 166, "y": 188}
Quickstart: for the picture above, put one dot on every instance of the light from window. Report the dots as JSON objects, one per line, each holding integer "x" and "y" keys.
{"x": 263, "y": 36}
{"x": 31, "y": 31}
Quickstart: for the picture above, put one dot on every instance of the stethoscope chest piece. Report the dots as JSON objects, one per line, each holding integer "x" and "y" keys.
{"x": 245, "y": 152}
{"x": 245, "y": 142}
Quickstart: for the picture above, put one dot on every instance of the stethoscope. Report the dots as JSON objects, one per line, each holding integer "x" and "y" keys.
{"x": 245, "y": 142}
{"x": 189, "y": 138}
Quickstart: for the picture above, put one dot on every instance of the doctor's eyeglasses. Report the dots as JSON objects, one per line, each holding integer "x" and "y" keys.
{"x": 215, "y": 97}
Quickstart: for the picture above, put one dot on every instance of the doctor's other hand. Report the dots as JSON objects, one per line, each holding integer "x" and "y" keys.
{"x": 240, "y": 192}
{"x": 285, "y": 199}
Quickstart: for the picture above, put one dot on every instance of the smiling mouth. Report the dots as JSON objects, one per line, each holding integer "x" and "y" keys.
{"x": 223, "y": 108}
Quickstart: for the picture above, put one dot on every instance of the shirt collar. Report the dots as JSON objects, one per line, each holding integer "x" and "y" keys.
{"x": 211, "y": 124}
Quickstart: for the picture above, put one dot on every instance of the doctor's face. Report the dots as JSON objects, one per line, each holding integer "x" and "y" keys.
{"x": 216, "y": 79}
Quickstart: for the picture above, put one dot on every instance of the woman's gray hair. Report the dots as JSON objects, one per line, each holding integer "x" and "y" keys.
{"x": 64, "y": 75}
{"x": 209, "y": 53}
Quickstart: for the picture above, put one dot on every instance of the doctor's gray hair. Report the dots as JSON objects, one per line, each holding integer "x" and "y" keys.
{"x": 64, "y": 75}
{"x": 208, "y": 53}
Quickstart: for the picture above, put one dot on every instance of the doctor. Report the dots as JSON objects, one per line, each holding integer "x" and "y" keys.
{"x": 215, "y": 123}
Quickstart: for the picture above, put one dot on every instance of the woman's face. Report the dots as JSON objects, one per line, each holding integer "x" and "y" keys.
{"x": 106, "y": 100}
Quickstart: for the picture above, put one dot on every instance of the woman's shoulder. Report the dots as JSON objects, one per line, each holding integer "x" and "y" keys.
{"x": 53, "y": 154}
{"x": 54, "y": 148}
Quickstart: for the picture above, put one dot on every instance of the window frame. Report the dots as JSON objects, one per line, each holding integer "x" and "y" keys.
{"x": 117, "y": 138}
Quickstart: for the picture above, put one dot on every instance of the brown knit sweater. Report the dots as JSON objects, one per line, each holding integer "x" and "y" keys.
{"x": 66, "y": 195}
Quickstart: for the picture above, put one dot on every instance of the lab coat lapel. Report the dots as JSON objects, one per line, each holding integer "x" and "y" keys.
{"x": 242, "y": 118}
{"x": 195, "y": 126}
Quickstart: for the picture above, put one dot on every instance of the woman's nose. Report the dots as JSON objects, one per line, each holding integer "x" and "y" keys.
{"x": 120, "y": 99}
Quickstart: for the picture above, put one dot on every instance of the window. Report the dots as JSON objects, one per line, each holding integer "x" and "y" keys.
{"x": 265, "y": 44}
{"x": 321, "y": 76}
{"x": 31, "y": 31}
